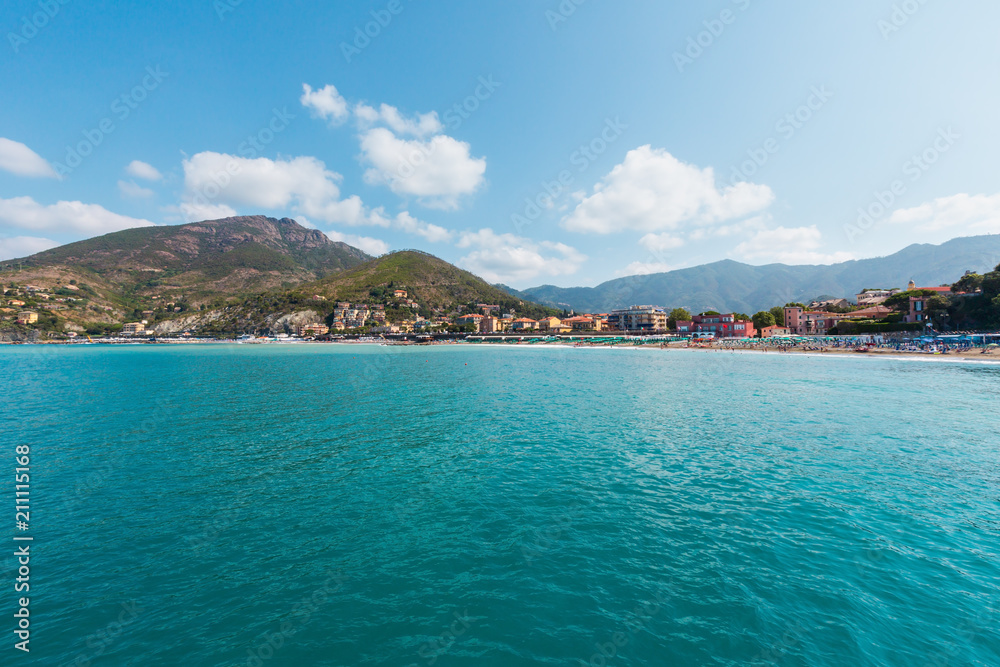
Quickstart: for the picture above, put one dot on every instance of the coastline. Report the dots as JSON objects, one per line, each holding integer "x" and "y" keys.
{"x": 952, "y": 356}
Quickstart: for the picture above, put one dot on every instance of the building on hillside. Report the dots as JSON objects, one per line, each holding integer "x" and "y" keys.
{"x": 940, "y": 289}
{"x": 773, "y": 331}
{"x": 488, "y": 309}
{"x": 314, "y": 329}
{"x": 638, "y": 318}
{"x": 490, "y": 324}
{"x": 873, "y": 313}
{"x": 338, "y": 325}
{"x": 27, "y": 317}
{"x": 720, "y": 326}
{"x": 524, "y": 324}
{"x": 803, "y": 322}
{"x": 918, "y": 308}
{"x": 546, "y": 323}
{"x": 872, "y": 297}
{"x": 472, "y": 319}
{"x": 399, "y": 294}
{"x": 133, "y": 328}
{"x": 16, "y": 302}
{"x": 830, "y": 303}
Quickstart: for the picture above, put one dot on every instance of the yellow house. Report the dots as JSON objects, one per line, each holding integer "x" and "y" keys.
{"x": 547, "y": 323}
{"x": 27, "y": 317}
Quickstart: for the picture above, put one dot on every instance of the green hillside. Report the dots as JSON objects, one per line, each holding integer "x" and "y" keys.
{"x": 193, "y": 266}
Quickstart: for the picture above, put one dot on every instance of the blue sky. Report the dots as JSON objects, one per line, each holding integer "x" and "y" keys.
{"x": 530, "y": 141}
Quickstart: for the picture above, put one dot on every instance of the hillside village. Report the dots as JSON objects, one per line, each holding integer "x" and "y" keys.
{"x": 391, "y": 309}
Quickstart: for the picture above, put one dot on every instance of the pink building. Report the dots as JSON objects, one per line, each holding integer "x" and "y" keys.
{"x": 803, "y": 322}
{"x": 721, "y": 326}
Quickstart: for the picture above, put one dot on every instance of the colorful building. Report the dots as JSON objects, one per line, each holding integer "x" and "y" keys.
{"x": 638, "y": 318}
{"x": 719, "y": 325}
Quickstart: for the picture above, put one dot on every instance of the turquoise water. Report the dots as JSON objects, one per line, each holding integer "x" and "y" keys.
{"x": 335, "y": 505}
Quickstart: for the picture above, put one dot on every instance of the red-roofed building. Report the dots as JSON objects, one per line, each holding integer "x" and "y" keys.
{"x": 473, "y": 319}
{"x": 721, "y": 326}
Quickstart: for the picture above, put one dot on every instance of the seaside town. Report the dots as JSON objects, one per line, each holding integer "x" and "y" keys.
{"x": 930, "y": 317}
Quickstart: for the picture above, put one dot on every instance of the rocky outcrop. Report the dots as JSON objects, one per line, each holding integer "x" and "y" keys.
{"x": 289, "y": 323}
{"x": 19, "y": 335}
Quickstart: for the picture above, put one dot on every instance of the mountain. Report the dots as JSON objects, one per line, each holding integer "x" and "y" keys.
{"x": 729, "y": 286}
{"x": 427, "y": 279}
{"x": 198, "y": 263}
{"x": 437, "y": 287}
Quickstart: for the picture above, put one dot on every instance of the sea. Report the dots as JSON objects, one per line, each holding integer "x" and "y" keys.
{"x": 327, "y": 505}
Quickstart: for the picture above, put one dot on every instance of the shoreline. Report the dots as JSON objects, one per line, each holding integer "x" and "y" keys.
{"x": 972, "y": 355}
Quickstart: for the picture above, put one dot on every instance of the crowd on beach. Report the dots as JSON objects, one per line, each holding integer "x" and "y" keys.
{"x": 861, "y": 344}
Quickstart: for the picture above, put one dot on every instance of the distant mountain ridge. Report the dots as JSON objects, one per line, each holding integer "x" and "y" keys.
{"x": 732, "y": 286}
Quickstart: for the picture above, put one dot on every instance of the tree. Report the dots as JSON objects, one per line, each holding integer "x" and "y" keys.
{"x": 991, "y": 284}
{"x": 779, "y": 315}
{"x": 764, "y": 319}
{"x": 741, "y": 317}
{"x": 970, "y": 282}
{"x": 937, "y": 310}
{"x": 677, "y": 315}
{"x": 795, "y": 305}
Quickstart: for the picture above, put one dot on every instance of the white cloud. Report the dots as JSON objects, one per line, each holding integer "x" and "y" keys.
{"x": 196, "y": 212}
{"x": 220, "y": 182}
{"x": 644, "y": 269}
{"x": 753, "y": 224}
{"x": 796, "y": 245}
{"x": 132, "y": 190}
{"x": 325, "y": 103}
{"x": 143, "y": 170}
{"x": 961, "y": 212}
{"x": 432, "y": 233}
{"x": 652, "y": 191}
{"x": 510, "y": 258}
{"x": 421, "y": 126}
{"x": 410, "y": 155}
{"x": 370, "y": 245}
{"x": 438, "y": 170}
{"x": 659, "y": 243}
{"x": 23, "y": 246}
{"x": 64, "y": 216}
{"x": 18, "y": 159}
